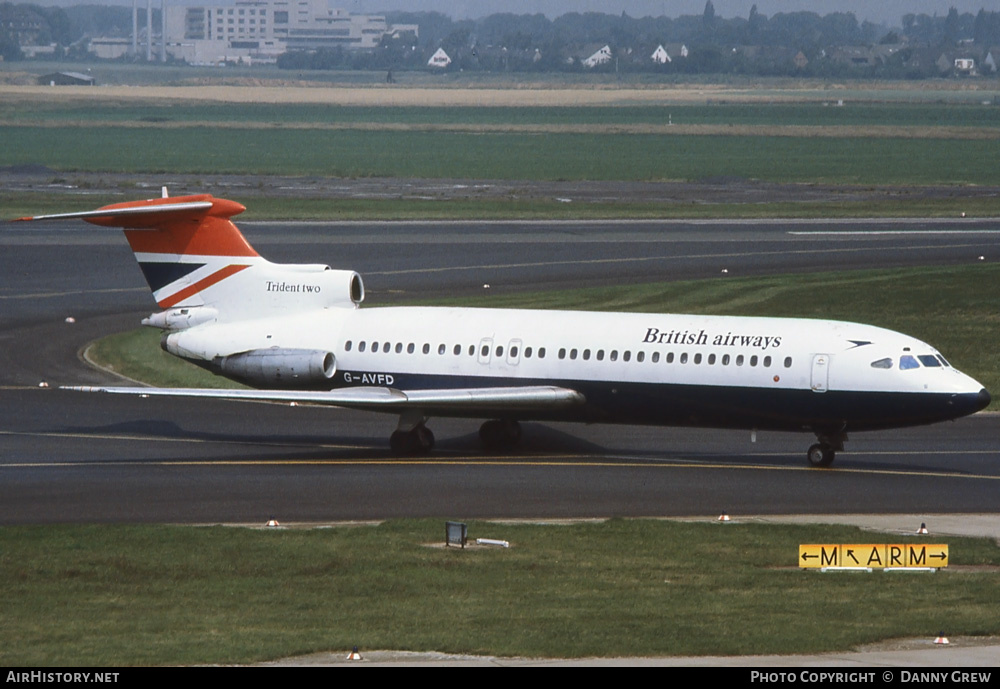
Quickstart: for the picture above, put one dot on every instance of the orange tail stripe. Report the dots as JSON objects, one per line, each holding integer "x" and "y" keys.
{"x": 205, "y": 237}
{"x": 214, "y": 278}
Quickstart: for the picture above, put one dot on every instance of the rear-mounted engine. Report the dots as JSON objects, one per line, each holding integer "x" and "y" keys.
{"x": 278, "y": 368}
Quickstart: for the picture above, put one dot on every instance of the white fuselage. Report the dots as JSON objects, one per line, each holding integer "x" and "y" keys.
{"x": 632, "y": 368}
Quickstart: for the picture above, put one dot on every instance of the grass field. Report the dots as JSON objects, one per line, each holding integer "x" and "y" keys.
{"x": 529, "y": 134}
{"x": 164, "y": 595}
{"x": 151, "y": 595}
{"x": 509, "y": 156}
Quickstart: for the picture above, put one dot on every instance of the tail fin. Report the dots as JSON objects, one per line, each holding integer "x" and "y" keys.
{"x": 183, "y": 244}
{"x": 191, "y": 254}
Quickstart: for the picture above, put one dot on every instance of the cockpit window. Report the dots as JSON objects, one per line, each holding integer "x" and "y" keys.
{"x": 907, "y": 362}
{"x": 929, "y": 360}
{"x": 882, "y": 363}
{"x": 943, "y": 361}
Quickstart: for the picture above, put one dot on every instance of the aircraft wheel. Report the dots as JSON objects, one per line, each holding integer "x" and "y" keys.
{"x": 417, "y": 441}
{"x": 820, "y": 455}
{"x": 401, "y": 443}
{"x": 500, "y": 434}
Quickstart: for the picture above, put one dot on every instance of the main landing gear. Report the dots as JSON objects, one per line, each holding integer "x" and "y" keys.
{"x": 823, "y": 453}
{"x": 417, "y": 441}
{"x": 412, "y": 437}
{"x": 500, "y": 434}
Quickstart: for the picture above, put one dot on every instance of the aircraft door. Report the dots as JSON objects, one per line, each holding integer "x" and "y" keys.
{"x": 820, "y": 381}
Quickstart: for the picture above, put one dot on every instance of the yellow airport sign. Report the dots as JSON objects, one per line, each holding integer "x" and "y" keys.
{"x": 873, "y": 555}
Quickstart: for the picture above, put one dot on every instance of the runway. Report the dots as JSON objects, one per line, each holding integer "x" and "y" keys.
{"x": 73, "y": 457}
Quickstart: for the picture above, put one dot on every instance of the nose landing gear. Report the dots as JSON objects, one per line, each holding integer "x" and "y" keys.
{"x": 823, "y": 453}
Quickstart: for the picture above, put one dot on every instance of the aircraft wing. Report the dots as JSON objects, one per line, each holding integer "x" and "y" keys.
{"x": 387, "y": 399}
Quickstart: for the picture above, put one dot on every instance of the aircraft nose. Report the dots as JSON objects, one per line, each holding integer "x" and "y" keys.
{"x": 971, "y": 402}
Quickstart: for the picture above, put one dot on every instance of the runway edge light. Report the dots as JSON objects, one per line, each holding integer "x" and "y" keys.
{"x": 354, "y": 655}
{"x": 941, "y": 639}
{"x": 724, "y": 517}
{"x": 922, "y": 529}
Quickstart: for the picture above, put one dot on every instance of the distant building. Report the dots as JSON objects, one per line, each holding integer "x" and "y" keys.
{"x": 991, "y": 60}
{"x": 109, "y": 48}
{"x": 66, "y": 79}
{"x": 439, "y": 59}
{"x": 264, "y": 29}
{"x": 590, "y": 55}
{"x": 600, "y": 57}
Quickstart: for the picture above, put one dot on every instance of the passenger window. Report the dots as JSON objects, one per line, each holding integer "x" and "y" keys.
{"x": 600, "y": 355}
{"x": 929, "y": 360}
{"x": 655, "y": 358}
{"x": 386, "y": 347}
{"x": 513, "y": 352}
{"x": 697, "y": 359}
{"x": 614, "y": 355}
{"x": 882, "y": 363}
{"x": 788, "y": 362}
{"x": 427, "y": 348}
{"x": 527, "y": 352}
{"x": 753, "y": 360}
{"x": 562, "y": 352}
{"x": 375, "y": 347}
{"x": 541, "y": 352}
{"x": 739, "y": 359}
{"x": 586, "y": 355}
{"x": 361, "y": 346}
{"x": 499, "y": 350}
{"x": 347, "y": 346}
{"x": 670, "y": 357}
{"x": 640, "y": 356}
{"x": 572, "y": 354}
{"x": 684, "y": 358}
{"x": 711, "y": 359}
{"x": 442, "y": 349}
{"x": 725, "y": 359}
{"x": 410, "y": 348}
{"x": 626, "y": 355}
{"x": 767, "y": 362}
{"x": 906, "y": 362}
{"x": 399, "y": 348}
{"x": 457, "y": 350}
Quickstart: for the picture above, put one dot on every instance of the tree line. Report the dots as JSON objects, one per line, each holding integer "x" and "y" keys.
{"x": 533, "y": 42}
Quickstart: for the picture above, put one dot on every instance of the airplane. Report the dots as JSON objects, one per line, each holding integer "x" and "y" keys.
{"x": 297, "y": 333}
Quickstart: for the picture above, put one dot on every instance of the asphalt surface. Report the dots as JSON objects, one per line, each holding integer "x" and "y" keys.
{"x": 76, "y": 457}
{"x": 73, "y": 457}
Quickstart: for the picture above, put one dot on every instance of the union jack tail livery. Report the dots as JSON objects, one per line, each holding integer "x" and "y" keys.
{"x": 201, "y": 268}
